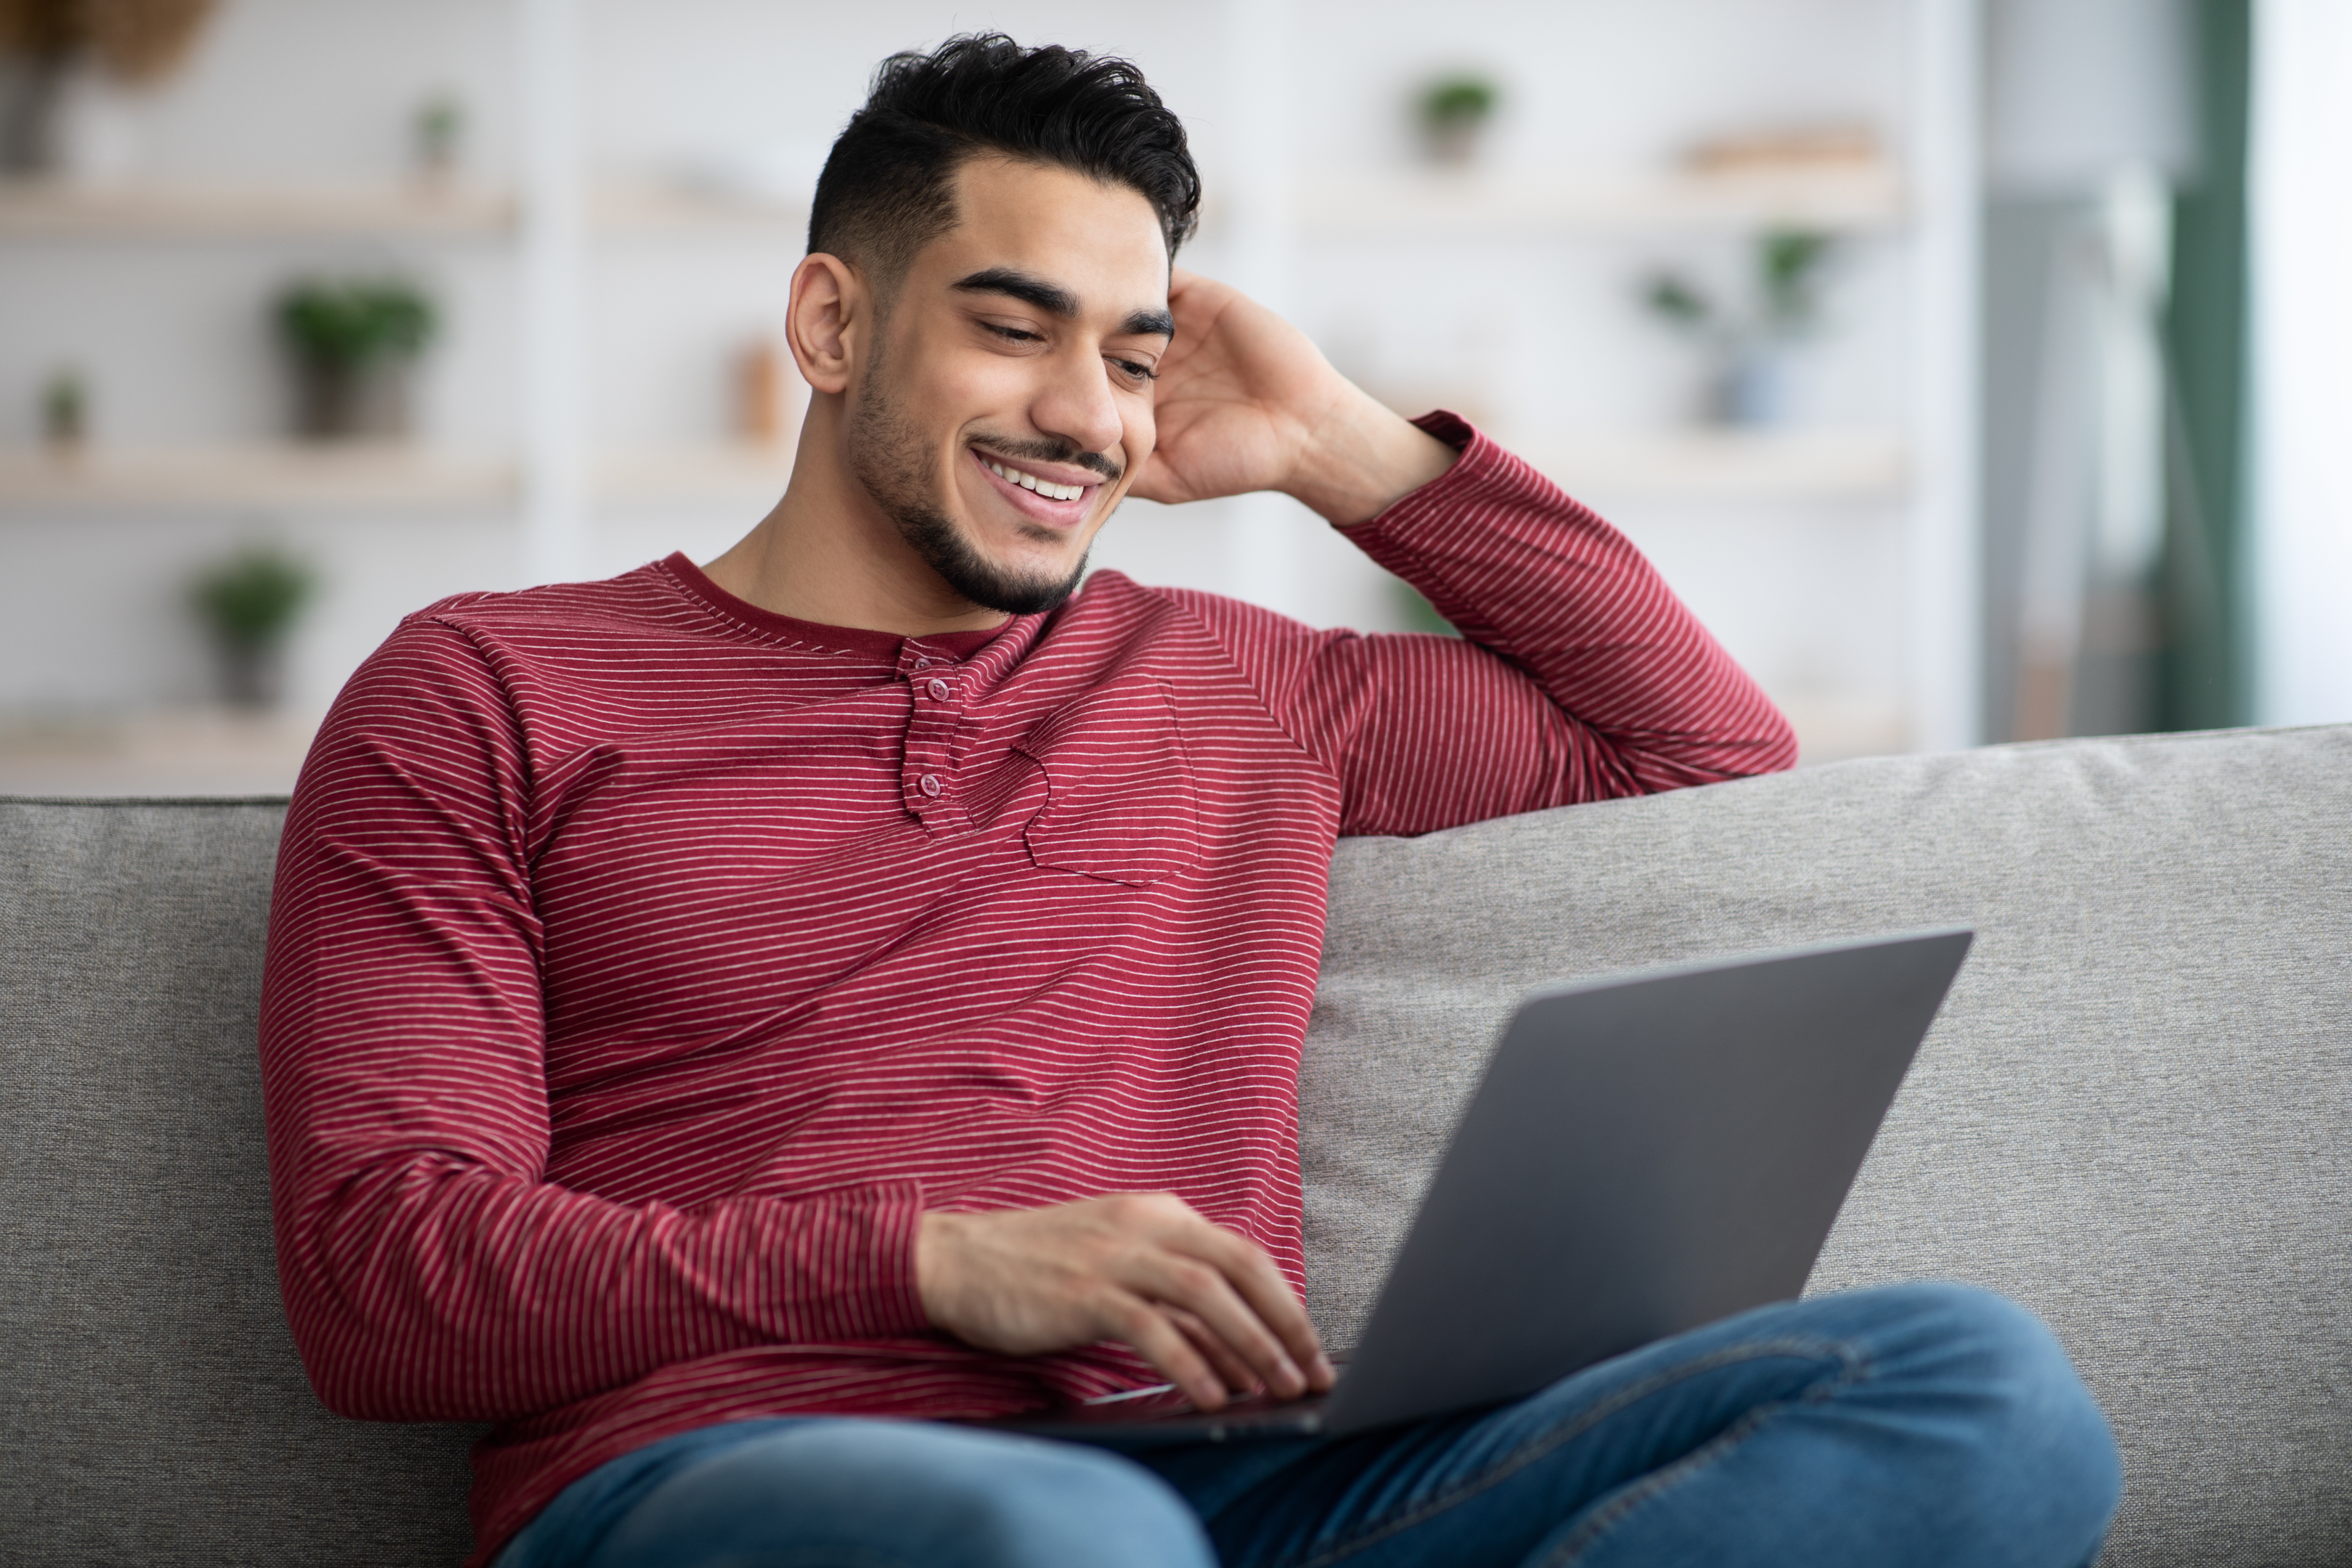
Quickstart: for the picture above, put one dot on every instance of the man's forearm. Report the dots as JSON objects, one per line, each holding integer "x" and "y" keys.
{"x": 1527, "y": 573}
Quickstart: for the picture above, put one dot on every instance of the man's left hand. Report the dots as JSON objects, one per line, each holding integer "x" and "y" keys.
{"x": 1246, "y": 402}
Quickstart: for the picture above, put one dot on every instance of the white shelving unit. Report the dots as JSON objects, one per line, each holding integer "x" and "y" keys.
{"x": 1908, "y": 472}
{"x": 545, "y": 269}
{"x": 1459, "y": 205}
{"x": 348, "y": 476}
{"x": 31, "y": 212}
{"x": 1728, "y": 465}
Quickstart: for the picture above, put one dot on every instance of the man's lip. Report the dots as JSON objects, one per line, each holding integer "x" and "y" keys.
{"x": 1055, "y": 473}
{"x": 1055, "y": 514}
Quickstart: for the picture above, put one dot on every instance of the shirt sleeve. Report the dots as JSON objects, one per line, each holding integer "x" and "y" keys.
{"x": 1578, "y": 675}
{"x": 431, "y": 1271}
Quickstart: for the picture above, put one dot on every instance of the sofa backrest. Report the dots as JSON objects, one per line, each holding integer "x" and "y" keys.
{"x": 152, "y": 1409}
{"x": 2131, "y": 1116}
{"x": 2134, "y": 1114}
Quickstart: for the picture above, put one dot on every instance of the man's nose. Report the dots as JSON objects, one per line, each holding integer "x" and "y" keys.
{"x": 1077, "y": 404}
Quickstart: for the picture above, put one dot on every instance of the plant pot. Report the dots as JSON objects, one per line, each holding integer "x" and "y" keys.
{"x": 253, "y": 674}
{"x": 1750, "y": 389}
{"x": 1454, "y": 143}
{"x": 346, "y": 400}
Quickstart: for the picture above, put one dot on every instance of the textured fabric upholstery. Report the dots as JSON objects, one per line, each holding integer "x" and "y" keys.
{"x": 2132, "y": 1114}
{"x": 154, "y": 1411}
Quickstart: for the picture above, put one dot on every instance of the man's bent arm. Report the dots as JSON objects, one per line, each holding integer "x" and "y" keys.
{"x": 431, "y": 1271}
{"x": 1578, "y": 677}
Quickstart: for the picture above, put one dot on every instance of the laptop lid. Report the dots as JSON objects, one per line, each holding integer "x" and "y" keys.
{"x": 1645, "y": 1154}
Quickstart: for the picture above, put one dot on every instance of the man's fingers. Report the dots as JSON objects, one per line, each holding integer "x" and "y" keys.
{"x": 1268, "y": 1298}
{"x": 1231, "y": 1370}
{"x": 1157, "y": 1339}
{"x": 1203, "y": 1290}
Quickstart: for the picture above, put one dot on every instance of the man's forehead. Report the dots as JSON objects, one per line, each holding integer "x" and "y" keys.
{"x": 1055, "y": 239}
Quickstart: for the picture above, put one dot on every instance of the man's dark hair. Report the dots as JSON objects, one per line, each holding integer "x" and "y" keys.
{"x": 888, "y": 186}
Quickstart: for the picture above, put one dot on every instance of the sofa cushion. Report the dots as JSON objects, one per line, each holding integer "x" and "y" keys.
{"x": 2132, "y": 1114}
{"x": 155, "y": 1412}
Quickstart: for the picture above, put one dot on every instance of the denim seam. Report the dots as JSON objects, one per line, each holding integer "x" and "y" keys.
{"x": 1654, "y": 1484}
{"x": 1519, "y": 1458}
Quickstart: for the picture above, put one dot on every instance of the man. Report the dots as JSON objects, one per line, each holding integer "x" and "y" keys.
{"x": 714, "y": 1015}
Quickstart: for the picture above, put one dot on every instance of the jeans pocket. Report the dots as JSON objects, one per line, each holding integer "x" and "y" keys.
{"x": 1120, "y": 802}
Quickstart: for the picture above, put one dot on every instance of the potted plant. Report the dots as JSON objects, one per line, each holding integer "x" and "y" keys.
{"x": 1748, "y": 384}
{"x": 249, "y": 602}
{"x": 353, "y": 344}
{"x": 1455, "y": 113}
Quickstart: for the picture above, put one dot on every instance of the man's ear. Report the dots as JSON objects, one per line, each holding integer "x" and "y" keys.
{"x": 830, "y": 315}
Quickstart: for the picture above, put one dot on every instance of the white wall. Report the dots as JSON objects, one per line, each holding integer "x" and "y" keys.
{"x": 2300, "y": 428}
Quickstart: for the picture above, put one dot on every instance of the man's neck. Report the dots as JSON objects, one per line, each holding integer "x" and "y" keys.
{"x": 829, "y": 555}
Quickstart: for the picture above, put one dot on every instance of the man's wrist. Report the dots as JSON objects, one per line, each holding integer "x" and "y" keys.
{"x": 1363, "y": 459}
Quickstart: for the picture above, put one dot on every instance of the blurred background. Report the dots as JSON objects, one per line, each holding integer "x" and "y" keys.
{"x": 1973, "y": 367}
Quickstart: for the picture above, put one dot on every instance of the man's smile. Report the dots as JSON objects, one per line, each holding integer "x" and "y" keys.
{"x": 1049, "y": 493}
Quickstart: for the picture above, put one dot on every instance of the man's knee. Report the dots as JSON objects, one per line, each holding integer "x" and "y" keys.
{"x": 1033, "y": 1501}
{"x": 998, "y": 1502}
{"x": 1993, "y": 1374}
{"x": 888, "y": 1492}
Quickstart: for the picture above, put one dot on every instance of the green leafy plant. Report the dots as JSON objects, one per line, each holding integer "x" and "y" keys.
{"x": 252, "y": 599}
{"x": 1790, "y": 264}
{"x": 1789, "y": 269}
{"x": 356, "y": 322}
{"x": 1459, "y": 100}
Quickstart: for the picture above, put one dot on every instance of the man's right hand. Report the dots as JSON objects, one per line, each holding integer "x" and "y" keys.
{"x": 1203, "y": 1304}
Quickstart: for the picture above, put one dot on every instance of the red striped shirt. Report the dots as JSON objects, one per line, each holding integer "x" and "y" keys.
{"x": 643, "y": 963}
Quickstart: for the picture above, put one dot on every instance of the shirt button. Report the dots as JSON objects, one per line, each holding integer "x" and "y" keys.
{"x": 939, "y": 691}
{"x": 929, "y": 785}
{"x": 922, "y": 664}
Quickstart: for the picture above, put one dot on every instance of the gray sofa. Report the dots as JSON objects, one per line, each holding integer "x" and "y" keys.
{"x": 2134, "y": 1115}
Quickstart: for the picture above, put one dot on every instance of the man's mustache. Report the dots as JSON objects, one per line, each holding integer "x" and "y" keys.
{"x": 1051, "y": 451}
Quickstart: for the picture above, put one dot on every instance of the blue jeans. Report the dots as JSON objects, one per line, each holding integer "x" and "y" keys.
{"x": 1920, "y": 1424}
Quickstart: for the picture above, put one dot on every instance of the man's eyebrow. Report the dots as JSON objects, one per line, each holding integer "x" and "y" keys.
{"x": 1049, "y": 298}
{"x": 1056, "y": 301}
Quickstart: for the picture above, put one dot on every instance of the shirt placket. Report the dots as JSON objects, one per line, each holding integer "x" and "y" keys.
{"x": 928, "y": 781}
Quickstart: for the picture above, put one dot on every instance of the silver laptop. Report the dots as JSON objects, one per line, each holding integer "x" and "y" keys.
{"x": 1648, "y": 1153}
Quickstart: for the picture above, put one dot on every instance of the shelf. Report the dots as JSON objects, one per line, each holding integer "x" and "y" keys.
{"x": 52, "y": 212}
{"x": 1699, "y": 465}
{"x": 1432, "y": 202}
{"x": 731, "y": 474}
{"x": 1440, "y": 203}
{"x": 105, "y": 212}
{"x": 285, "y": 475}
{"x": 650, "y": 209}
{"x": 165, "y": 752}
{"x": 1727, "y": 465}
{"x": 263, "y": 475}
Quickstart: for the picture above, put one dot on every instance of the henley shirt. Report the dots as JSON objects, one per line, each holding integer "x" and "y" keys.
{"x": 643, "y": 963}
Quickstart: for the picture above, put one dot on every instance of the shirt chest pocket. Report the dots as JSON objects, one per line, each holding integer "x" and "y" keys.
{"x": 1120, "y": 803}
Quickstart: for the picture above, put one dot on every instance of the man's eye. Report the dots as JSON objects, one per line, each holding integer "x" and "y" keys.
{"x": 1138, "y": 371}
{"x": 1012, "y": 334}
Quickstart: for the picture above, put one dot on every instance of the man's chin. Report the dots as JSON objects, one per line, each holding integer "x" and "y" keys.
{"x": 946, "y": 550}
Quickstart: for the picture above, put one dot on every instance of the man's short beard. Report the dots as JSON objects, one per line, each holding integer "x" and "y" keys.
{"x": 891, "y": 459}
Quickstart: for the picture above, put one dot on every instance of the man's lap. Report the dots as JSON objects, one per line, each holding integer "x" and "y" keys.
{"x": 1918, "y": 1423}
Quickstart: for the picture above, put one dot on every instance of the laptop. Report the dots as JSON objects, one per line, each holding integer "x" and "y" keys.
{"x": 1648, "y": 1153}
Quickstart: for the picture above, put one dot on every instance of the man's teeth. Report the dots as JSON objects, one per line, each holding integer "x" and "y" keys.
{"x": 1045, "y": 488}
